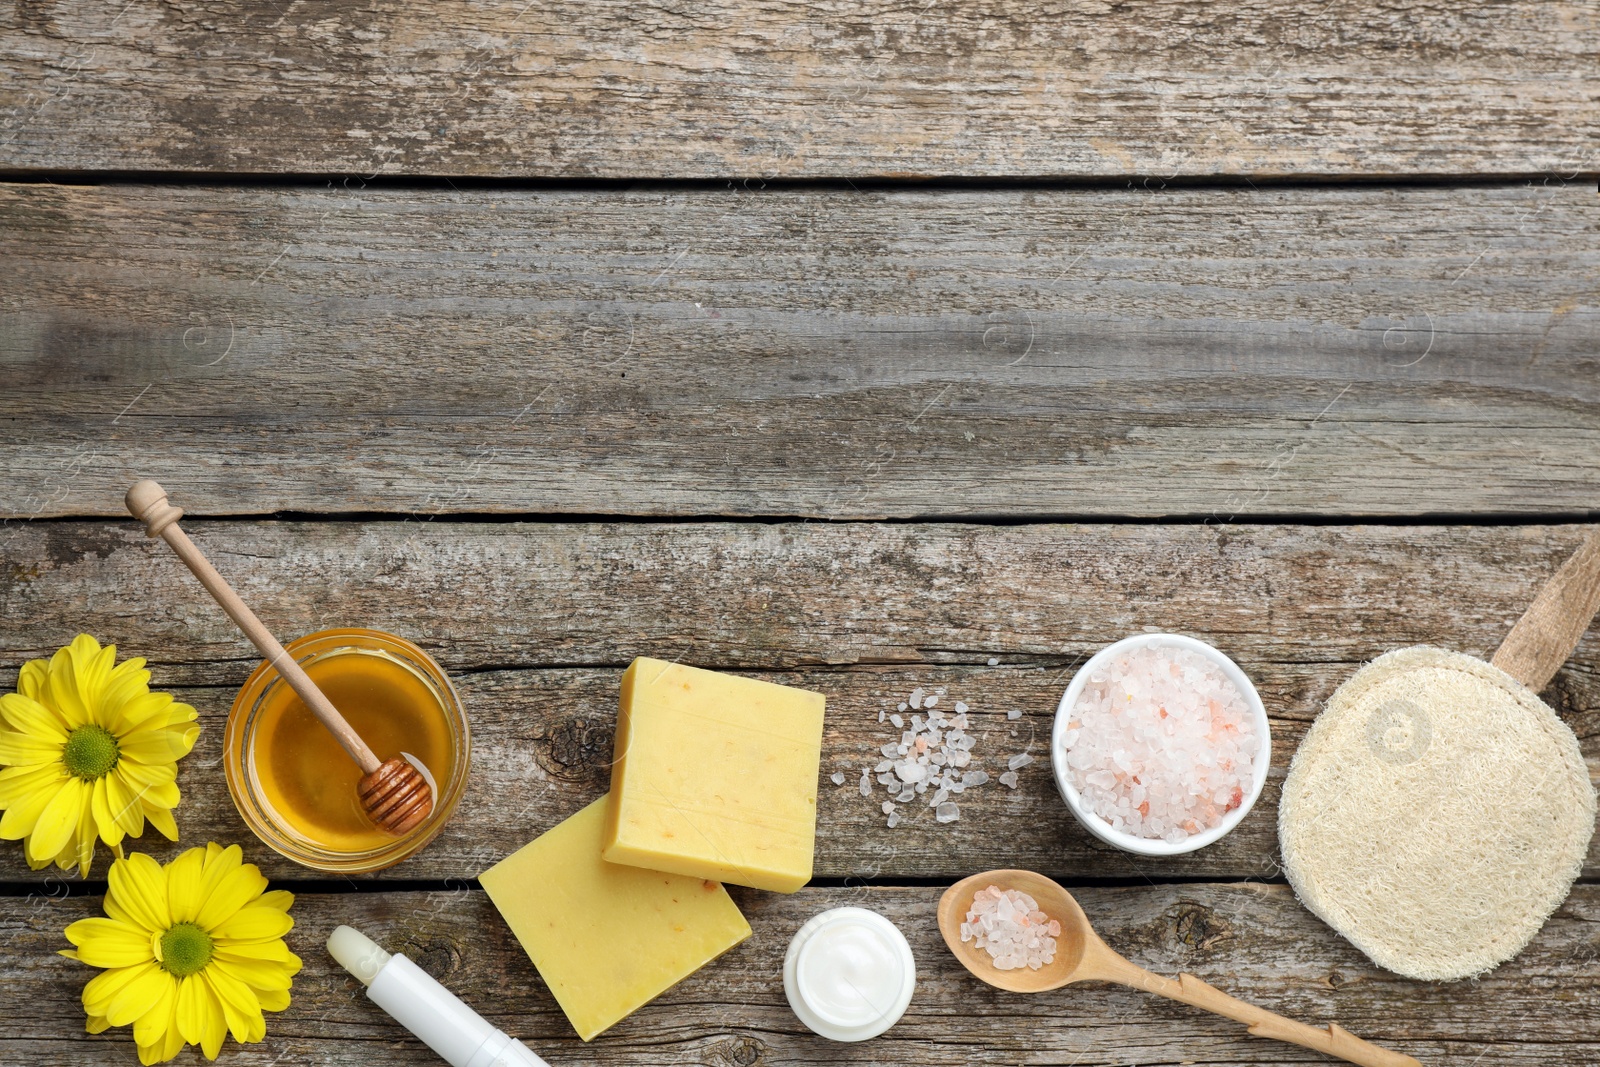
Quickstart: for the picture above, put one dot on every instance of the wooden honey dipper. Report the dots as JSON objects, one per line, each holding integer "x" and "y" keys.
{"x": 394, "y": 793}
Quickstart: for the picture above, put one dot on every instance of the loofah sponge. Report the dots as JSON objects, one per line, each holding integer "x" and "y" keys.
{"x": 1436, "y": 814}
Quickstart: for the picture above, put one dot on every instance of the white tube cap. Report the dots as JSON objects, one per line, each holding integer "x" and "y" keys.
{"x": 357, "y": 953}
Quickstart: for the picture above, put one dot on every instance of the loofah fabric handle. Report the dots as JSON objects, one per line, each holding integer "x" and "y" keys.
{"x": 1550, "y": 629}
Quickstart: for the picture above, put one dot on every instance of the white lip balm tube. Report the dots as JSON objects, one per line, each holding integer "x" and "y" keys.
{"x": 425, "y": 1007}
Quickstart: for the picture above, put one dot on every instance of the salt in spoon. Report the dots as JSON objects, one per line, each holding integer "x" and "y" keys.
{"x": 394, "y": 794}
{"x": 1082, "y": 957}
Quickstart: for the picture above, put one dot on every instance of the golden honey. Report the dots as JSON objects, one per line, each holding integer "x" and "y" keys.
{"x": 296, "y": 786}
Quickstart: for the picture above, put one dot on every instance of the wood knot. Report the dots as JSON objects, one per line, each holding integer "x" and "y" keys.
{"x": 1199, "y": 927}
{"x": 439, "y": 958}
{"x": 77, "y": 542}
{"x": 738, "y": 1051}
{"x": 577, "y": 749}
{"x": 1562, "y": 696}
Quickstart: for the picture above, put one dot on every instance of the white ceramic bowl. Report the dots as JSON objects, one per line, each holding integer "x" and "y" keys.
{"x": 1147, "y": 846}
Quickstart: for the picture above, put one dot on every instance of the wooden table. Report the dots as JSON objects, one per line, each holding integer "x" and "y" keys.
{"x": 858, "y": 347}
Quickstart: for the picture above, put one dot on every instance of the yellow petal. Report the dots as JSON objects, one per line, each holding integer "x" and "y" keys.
{"x": 184, "y": 888}
{"x": 80, "y": 849}
{"x": 146, "y": 711}
{"x": 21, "y": 787}
{"x": 25, "y": 750}
{"x": 109, "y": 943}
{"x": 161, "y": 819}
{"x": 172, "y": 1046}
{"x": 158, "y": 746}
{"x": 163, "y": 795}
{"x": 166, "y": 796}
{"x": 239, "y": 1004}
{"x": 253, "y": 924}
{"x": 31, "y": 717}
{"x": 104, "y": 823}
{"x": 139, "y": 997}
{"x": 103, "y": 988}
{"x": 59, "y": 820}
{"x": 180, "y": 713}
{"x": 33, "y": 681}
{"x": 70, "y": 667}
{"x": 274, "y": 951}
{"x": 215, "y": 1023}
{"x": 124, "y": 803}
{"x": 18, "y": 781}
{"x": 273, "y": 999}
{"x": 87, "y": 929}
{"x": 149, "y": 1055}
{"x": 194, "y": 997}
{"x": 21, "y": 817}
{"x": 257, "y": 974}
{"x": 116, "y": 911}
{"x": 140, "y": 775}
{"x": 238, "y": 887}
{"x": 220, "y": 863}
{"x": 281, "y": 899}
{"x": 60, "y": 693}
{"x": 153, "y": 1025}
{"x": 91, "y": 670}
{"x": 96, "y": 1024}
{"x": 154, "y": 786}
{"x": 127, "y": 680}
{"x": 140, "y": 888}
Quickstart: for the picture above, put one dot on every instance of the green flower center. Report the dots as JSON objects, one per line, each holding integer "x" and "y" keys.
{"x": 185, "y": 949}
{"x": 91, "y": 751}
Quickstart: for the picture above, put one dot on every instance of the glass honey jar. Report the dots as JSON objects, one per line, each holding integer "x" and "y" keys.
{"x": 296, "y": 787}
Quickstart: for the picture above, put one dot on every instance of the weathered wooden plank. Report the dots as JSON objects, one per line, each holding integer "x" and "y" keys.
{"x": 1252, "y": 940}
{"x": 826, "y": 353}
{"x": 734, "y": 87}
{"x": 536, "y": 622}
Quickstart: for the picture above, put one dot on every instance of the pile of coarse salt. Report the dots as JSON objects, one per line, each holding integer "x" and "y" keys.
{"x": 1009, "y": 926}
{"x": 1161, "y": 744}
{"x": 933, "y": 757}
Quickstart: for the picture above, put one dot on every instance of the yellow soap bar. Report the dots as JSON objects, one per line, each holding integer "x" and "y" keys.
{"x": 715, "y": 776}
{"x": 607, "y": 939}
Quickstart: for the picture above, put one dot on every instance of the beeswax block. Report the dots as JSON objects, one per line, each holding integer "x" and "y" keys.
{"x": 715, "y": 776}
{"x": 607, "y": 938}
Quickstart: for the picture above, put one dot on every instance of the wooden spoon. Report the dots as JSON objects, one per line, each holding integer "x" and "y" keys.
{"x": 1082, "y": 957}
{"x": 394, "y": 793}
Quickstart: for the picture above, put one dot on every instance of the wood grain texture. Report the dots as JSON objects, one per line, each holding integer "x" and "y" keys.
{"x": 735, "y": 87}
{"x": 1222, "y": 352}
{"x": 1253, "y": 941}
{"x": 535, "y": 622}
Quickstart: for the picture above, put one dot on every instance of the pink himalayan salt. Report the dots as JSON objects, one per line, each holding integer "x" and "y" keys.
{"x": 1008, "y": 925}
{"x": 1161, "y": 744}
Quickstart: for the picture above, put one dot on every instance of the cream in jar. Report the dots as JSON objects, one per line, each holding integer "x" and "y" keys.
{"x": 849, "y": 974}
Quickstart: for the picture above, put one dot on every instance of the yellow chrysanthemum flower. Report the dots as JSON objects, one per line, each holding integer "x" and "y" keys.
{"x": 89, "y": 752}
{"x": 195, "y": 952}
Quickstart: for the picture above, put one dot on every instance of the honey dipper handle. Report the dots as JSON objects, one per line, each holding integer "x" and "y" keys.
{"x": 1549, "y": 630}
{"x": 147, "y": 502}
{"x": 1102, "y": 963}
